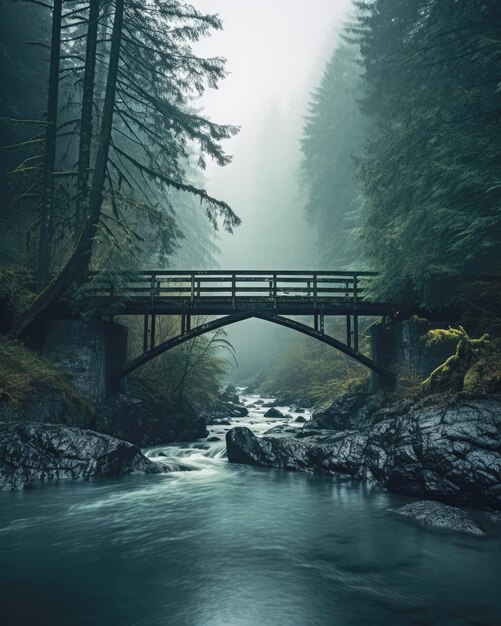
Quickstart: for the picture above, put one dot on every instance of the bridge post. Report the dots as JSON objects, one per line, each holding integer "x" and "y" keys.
{"x": 152, "y": 288}
{"x": 192, "y": 287}
{"x": 322, "y": 323}
{"x": 355, "y": 316}
{"x": 398, "y": 345}
{"x": 183, "y": 323}
{"x": 315, "y": 321}
{"x": 145, "y": 333}
{"x": 233, "y": 290}
{"x": 152, "y": 331}
{"x": 348, "y": 331}
{"x": 274, "y": 290}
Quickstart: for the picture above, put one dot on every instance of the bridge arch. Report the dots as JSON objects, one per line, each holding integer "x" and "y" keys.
{"x": 196, "y": 331}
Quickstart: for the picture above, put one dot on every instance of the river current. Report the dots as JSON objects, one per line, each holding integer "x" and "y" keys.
{"x": 216, "y": 544}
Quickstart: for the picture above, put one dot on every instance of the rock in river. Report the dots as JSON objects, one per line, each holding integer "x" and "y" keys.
{"x": 436, "y": 515}
{"x": 32, "y": 451}
{"x": 449, "y": 452}
{"x": 274, "y": 413}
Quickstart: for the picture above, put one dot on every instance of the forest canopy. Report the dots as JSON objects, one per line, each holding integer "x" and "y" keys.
{"x": 402, "y": 146}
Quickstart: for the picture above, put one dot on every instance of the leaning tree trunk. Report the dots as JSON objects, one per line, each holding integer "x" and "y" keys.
{"x": 86, "y": 118}
{"x": 46, "y": 204}
{"x": 76, "y": 268}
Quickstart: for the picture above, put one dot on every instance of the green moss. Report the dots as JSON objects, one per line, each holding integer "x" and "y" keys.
{"x": 474, "y": 367}
{"x": 421, "y": 321}
{"x": 24, "y": 375}
{"x": 444, "y": 335}
{"x": 484, "y": 376}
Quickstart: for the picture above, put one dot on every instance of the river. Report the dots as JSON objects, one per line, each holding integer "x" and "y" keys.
{"x": 217, "y": 544}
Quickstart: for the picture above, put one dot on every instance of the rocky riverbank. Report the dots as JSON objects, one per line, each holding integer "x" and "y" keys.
{"x": 447, "y": 450}
{"x": 33, "y": 451}
{"x": 34, "y": 448}
{"x": 163, "y": 420}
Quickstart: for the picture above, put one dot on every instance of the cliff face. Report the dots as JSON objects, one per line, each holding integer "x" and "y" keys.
{"x": 450, "y": 453}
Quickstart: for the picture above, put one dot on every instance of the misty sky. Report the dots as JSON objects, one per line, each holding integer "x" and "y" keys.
{"x": 275, "y": 51}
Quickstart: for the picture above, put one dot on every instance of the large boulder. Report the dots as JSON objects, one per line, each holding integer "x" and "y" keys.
{"x": 438, "y": 516}
{"x": 32, "y": 451}
{"x": 275, "y": 413}
{"x": 244, "y": 447}
{"x": 146, "y": 424}
{"x": 449, "y": 452}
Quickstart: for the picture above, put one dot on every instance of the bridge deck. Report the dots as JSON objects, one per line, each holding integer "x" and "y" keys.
{"x": 221, "y": 292}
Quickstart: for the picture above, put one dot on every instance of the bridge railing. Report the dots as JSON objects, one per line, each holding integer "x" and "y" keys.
{"x": 192, "y": 286}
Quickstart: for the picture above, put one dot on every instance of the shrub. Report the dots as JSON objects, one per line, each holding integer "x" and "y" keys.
{"x": 24, "y": 374}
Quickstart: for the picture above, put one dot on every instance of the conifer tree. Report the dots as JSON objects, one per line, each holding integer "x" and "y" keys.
{"x": 334, "y": 135}
{"x": 431, "y": 177}
{"x": 149, "y": 129}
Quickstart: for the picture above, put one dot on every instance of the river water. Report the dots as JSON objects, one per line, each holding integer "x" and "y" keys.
{"x": 217, "y": 544}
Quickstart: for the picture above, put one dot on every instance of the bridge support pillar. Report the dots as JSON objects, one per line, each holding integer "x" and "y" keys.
{"x": 91, "y": 351}
{"x": 399, "y": 346}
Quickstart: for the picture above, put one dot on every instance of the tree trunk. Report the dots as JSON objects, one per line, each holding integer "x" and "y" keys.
{"x": 102, "y": 53}
{"x": 76, "y": 268}
{"x": 46, "y": 204}
{"x": 86, "y": 118}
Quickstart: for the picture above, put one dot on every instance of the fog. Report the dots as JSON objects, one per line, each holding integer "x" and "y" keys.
{"x": 275, "y": 52}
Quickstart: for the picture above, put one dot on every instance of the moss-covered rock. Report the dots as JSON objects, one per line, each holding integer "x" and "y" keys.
{"x": 475, "y": 366}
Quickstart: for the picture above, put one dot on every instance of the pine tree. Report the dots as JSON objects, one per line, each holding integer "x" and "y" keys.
{"x": 431, "y": 177}
{"x": 334, "y": 135}
{"x": 148, "y": 131}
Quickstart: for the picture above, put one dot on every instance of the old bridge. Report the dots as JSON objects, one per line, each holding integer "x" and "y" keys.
{"x": 234, "y": 296}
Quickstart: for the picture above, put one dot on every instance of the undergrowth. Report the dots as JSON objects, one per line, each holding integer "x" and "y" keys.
{"x": 16, "y": 295}
{"x": 24, "y": 374}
